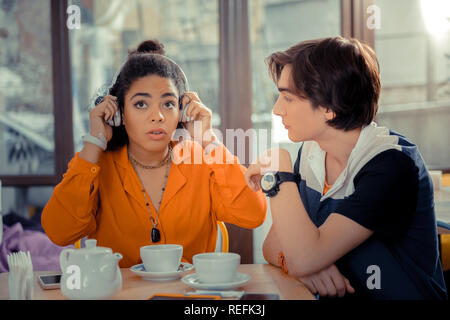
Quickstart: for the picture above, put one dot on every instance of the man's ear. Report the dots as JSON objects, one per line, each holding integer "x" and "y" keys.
{"x": 328, "y": 113}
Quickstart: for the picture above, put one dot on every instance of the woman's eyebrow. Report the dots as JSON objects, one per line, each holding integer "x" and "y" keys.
{"x": 168, "y": 94}
{"x": 144, "y": 94}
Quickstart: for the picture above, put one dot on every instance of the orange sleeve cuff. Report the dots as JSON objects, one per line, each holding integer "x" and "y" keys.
{"x": 80, "y": 165}
{"x": 282, "y": 262}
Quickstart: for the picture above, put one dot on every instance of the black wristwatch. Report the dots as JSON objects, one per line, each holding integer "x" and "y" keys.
{"x": 270, "y": 181}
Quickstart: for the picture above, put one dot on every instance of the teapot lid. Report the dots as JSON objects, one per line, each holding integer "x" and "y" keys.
{"x": 91, "y": 247}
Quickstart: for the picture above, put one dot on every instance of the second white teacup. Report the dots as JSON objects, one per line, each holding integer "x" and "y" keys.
{"x": 216, "y": 267}
{"x": 161, "y": 257}
{"x": 436, "y": 178}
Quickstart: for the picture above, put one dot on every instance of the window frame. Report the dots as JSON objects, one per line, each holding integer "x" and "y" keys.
{"x": 353, "y": 21}
{"x": 62, "y": 104}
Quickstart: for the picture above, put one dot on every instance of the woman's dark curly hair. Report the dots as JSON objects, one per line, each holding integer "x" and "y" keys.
{"x": 148, "y": 59}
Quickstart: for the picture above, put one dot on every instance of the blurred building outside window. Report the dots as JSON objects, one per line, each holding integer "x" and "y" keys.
{"x": 277, "y": 25}
{"x": 26, "y": 91}
{"x": 413, "y": 48}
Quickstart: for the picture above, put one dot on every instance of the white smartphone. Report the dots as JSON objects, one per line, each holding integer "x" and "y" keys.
{"x": 49, "y": 281}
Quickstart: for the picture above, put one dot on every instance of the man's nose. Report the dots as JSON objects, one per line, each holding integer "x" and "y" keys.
{"x": 277, "y": 108}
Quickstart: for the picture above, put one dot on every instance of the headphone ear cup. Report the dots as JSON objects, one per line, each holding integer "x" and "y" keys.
{"x": 98, "y": 100}
{"x": 118, "y": 120}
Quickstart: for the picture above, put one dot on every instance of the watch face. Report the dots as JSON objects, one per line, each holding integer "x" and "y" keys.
{"x": 268, "y": 181}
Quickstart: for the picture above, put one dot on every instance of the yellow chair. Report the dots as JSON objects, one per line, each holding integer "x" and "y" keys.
{"x": 78, "y": 243}
{"x": 445, "y": 238}
{"x": 223, "y": 234}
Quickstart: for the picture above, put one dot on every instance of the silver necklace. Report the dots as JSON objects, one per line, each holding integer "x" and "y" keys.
{"x": 159, "y": 165}
{"x": 155, "y": 234}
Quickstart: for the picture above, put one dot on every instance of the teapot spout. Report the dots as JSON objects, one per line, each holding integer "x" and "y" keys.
{"x": 117, "y": 257}
{"x": 110, "y": 266}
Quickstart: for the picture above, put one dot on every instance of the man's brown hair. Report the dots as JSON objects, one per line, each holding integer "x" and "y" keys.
{"x": 339, "y": 74}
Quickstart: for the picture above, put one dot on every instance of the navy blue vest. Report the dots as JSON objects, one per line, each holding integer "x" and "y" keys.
{"x": 410, "y": 265}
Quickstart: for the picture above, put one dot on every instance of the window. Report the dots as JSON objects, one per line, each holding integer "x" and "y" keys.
{"x": 35, "y": 137}
{"x": 35, "y": 140}
{"x": 277, "y": 25}
{"x": 26, "y": 89}
{"x": 413, "y": 48}
{"x": 414, "y": 51}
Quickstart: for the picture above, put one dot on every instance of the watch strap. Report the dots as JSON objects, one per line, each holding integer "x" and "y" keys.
{"x": 288, "y": 176}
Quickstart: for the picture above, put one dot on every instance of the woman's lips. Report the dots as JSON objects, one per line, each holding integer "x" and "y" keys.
{"x": 156, "y": 135}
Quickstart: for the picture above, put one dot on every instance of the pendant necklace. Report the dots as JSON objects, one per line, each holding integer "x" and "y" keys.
{"x": 155, "y": 234}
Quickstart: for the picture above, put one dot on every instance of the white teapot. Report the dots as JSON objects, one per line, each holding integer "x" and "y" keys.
{"x": 90, "y": 273}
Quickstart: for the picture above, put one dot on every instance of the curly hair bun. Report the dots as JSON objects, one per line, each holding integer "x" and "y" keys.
{"x": 150, "y": 46}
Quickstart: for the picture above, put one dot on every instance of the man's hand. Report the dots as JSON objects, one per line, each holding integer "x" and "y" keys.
{"x": 328, "y": 282}
{"x": 271, "y": 160}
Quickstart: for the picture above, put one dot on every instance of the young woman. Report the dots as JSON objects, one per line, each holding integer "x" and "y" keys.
{"x": 128, "y": 187}
{"x": 359, "y": 217}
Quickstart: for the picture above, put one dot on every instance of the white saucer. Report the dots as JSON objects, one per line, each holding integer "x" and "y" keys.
{"x": 193, "y": 281}
{"x": 139, "y": 269}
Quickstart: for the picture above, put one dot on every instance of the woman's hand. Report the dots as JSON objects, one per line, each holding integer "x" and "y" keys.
{"x": 104, "y": 111}
{"x": 328, "y": 282}
{"x": 271, "y": 160}
{"x": 194, "y": 110}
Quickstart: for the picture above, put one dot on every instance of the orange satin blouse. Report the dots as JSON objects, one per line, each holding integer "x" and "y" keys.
{"x": 104, "y": 201}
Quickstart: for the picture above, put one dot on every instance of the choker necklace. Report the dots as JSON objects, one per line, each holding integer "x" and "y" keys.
{"x": 159, "y": 165}
{"x": 155, "y": 234}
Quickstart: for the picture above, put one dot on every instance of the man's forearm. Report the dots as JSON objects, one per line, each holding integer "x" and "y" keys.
{"x": 297, "y": 234}
{"x": 271, "y": 248}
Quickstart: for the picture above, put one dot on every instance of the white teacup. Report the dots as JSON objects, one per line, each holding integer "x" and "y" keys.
{"x": 216, "y": 267}
{"x": 436, "y": 178}
{"x": 162, "y": 257}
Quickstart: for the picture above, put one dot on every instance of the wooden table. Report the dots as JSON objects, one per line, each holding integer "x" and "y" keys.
{"x": 265, "y": 278}
{"x": 442, "y": 206}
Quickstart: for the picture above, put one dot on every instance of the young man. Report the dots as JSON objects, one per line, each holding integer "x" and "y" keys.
{"x": 355, "y": 216}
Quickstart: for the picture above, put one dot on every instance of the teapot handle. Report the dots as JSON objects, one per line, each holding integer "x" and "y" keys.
{"x": 63, "y": 258}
